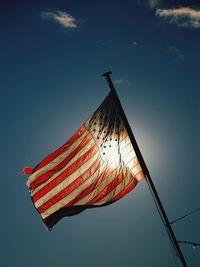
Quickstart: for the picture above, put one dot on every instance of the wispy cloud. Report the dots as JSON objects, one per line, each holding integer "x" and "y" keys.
{"x": 150, "y": 3}
{"x": 62, "y": 18}
{"x": 135, "y": 44}
{"x": 153, "y": 3}
{"x": 183, "y": 16}
{"x": 176, "y": 53}
{"x": 102, "y": 42}
{"x": 122, "y": 81}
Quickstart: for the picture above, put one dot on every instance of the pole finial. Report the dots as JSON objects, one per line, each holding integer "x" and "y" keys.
{"x": 106, "y": 74}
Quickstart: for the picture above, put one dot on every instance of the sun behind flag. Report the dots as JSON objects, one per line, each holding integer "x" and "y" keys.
{"x": 95, "y": 167}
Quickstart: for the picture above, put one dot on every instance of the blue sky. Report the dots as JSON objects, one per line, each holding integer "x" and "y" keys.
{"x": 52, "y": 55}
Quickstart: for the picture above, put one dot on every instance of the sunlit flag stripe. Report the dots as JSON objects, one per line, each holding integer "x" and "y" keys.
{"x": 56, "y": 160}
{"x": 69, "y": 177}
{"x": 69, "y": 184}
{"x": 101, "y": 184}
{"x": 59, "y": 200}
{"x": 72, "y": 160}
{"x": 126, "y": 190}
{"x": 102, "y": 191}
{"x": 44, "y": 177}
{"x": 66, "y": 173}
{"x": 53, "y": 155}
{"x": 86, "y": 188}
{"x": 115, "y": 187}
{"x": 41, "y": 198}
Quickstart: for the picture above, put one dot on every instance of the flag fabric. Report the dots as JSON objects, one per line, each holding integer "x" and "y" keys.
{"x": 94, "y": 168}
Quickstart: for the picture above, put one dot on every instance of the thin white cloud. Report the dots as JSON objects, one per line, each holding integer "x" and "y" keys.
{"x": 102, "y": 43}
{"x": 135, "y": 44}
{"x": 176, "y": 53}
{"x": 153, "y": 3}
{"x": 183, "y": 16}
{"x": 122, "y": 81}
{"x": 62, "y": 18}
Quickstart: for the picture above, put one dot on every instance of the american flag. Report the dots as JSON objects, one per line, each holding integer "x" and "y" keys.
{"x": 95, "y": 167}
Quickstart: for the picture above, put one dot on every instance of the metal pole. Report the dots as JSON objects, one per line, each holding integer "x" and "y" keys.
{"x": 147, "y": 175}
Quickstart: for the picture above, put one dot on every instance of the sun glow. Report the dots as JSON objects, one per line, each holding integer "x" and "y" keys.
{"x": 118, "y": 154}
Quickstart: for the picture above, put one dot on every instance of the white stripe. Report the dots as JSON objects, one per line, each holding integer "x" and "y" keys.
{"x": 129, "y": 157}
{"x": 136, "y": 169}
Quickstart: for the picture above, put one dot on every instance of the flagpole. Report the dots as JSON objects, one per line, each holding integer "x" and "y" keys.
{"x": 148, "y": 178}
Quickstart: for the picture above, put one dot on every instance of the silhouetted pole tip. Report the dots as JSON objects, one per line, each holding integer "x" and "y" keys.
{"x": 106, "y": 74}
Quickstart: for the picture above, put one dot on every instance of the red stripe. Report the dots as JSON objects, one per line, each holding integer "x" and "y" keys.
{"x": 111, "y": 186}
{"x": 67, "y": 190}
{"x": 45, "y": 176}
{"x": 75, "y": 166}
{"x": 139, "y": 176}
{"x": 60, "y": 150}
{"x": 91, "y": 187}
{"x": 129, "y": 187}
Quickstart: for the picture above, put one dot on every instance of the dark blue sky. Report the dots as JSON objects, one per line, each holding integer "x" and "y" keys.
{"x": 52, "y": 55}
